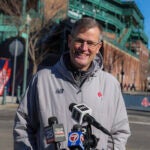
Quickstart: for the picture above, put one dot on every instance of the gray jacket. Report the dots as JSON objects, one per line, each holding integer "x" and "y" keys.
{"x": 50, "y": 93}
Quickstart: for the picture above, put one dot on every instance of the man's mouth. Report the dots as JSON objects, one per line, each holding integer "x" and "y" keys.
{"x": 81, "y": 53}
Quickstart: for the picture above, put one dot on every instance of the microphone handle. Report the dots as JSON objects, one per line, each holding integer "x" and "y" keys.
{"x": 75, "y": 148}
{"x": 57, "y": 146}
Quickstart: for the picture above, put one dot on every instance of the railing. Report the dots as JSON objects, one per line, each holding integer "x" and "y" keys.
{"x": 74, "y": 15}
{"x": 140, "y": 33}
{"x": 132, "y": 12}
{"x": 8, "y": 27}
{"x": 144, "y": 36}
{"x": 126, "y": 36}
{"x": 90, "y": 11}
{"x": 111, "y": 7}
{"x": 94, "y": 1}
{"x": 9, "y": 20}
{"x": 121, "y": 35}
{"x": 108, "y": 6}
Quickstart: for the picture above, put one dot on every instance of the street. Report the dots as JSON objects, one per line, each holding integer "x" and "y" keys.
{"x": 140, "y": 129}
{"x": 139, "y": 123}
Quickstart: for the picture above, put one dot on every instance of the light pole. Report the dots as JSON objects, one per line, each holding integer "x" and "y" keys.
{"x": 28, "y": 20}
{"x": 122, "y": 74}
{"x": 15, "y": 49}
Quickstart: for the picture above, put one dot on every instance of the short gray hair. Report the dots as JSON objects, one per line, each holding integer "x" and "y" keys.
{"x": 86, "y": 23}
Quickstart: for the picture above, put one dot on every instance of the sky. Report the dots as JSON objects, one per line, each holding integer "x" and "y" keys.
{"x": 144, "y": 6}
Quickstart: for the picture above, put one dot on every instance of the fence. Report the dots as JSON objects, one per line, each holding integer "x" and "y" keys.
{"x": 137, "y": 101}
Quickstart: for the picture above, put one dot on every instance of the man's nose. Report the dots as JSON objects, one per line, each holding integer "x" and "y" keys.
{"x": 84, "y": 45}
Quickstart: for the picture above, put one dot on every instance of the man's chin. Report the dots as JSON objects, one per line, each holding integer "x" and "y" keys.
{"x": 80, "y": 61}
{"x": 80, "y": 64}
{"x": 81, "y": 58}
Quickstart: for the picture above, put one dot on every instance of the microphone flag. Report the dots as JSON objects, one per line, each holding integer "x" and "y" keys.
{"x": 75, "y": 140}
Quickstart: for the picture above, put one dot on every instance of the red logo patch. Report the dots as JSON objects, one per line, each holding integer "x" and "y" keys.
{"x": 99, "y": 94}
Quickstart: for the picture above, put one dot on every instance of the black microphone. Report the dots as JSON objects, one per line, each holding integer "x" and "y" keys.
{"x": 54, "y": 132}
{"x": 52, "y": 120}
{"x": 81, "y": 113}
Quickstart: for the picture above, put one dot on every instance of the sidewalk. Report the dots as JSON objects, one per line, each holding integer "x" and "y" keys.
{"x": 10, "y": 103}
{"x": 7, "y": 115}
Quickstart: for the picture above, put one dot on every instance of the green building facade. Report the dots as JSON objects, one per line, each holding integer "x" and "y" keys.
{"x": 124, "y": 19}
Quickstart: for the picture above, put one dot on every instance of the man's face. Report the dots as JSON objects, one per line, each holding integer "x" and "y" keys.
{"x": 83, "y": 47}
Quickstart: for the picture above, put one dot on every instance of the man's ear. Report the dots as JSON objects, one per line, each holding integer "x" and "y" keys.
{"x": 98, "y": 47}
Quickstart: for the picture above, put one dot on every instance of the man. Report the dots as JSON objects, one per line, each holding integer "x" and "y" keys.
{"x": 76, "y": 78}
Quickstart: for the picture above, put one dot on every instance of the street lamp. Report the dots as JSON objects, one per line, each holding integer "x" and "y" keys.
{"x": 28, "y": 20}
{"x": 15, "y": 49}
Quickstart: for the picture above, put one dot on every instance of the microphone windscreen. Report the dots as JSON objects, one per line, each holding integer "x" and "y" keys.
{"x": 71, "y": 106}
{"x": 52, "y": 120}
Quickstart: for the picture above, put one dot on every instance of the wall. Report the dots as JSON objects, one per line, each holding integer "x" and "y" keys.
{"x": 116, "y": 60}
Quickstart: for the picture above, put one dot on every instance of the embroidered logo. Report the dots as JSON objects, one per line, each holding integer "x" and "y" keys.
{"x": 59, "y": 91}
{"x": 99, "y": 94}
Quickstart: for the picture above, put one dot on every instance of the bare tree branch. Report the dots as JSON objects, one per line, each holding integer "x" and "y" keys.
{"x": 38, "y": 30}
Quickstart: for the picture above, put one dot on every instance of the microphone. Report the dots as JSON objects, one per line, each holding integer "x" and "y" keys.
{"x": 76, "y": 138}
{"x": 81, "y": 113}
{"x": 54, "y": 132}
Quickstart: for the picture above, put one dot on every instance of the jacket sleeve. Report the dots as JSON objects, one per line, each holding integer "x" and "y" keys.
{"x": 26, "y": 120}
{"x": 120, "y": 129}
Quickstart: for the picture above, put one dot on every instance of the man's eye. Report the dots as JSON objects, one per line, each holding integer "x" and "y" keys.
{"x": 79, "y": 41}
{"x": 90, "y": 43}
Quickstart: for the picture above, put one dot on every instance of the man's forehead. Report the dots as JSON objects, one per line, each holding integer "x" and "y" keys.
{"x": 83, "y": 30}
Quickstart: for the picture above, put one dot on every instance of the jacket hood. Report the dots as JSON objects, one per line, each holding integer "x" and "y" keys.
{"x": 61, "y": 67}
{"x": 98, "y": 61}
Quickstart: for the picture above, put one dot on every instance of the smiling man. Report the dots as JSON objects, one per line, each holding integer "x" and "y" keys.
{"x": 84, "y": 44}
{"x": 76, "y": 78}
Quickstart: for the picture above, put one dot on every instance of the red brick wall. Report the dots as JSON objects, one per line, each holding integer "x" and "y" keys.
{"x": 113, "y": 58}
